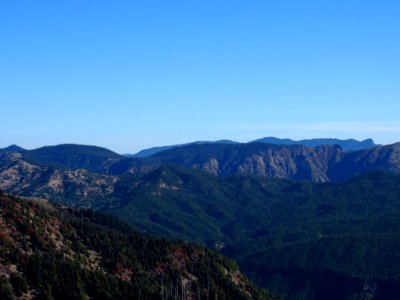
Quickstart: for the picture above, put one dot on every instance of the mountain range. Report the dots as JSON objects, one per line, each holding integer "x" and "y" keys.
{"x": 300, "y": 221}
{"x": 87, "y": 175}
{"x": 321, "y": 164}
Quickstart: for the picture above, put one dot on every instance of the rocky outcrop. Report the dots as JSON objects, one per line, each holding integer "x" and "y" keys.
{"x": 295, "y": 162}
{"x": 17, "y": 176}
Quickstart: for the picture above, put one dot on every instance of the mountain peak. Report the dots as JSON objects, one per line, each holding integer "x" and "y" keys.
{"x": 13, "y": 148}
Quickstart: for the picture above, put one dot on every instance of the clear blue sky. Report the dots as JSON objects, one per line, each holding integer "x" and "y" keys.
{"x": 132, "y": 74}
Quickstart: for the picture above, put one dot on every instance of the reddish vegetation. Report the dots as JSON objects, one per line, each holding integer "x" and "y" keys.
{"x": 124, "y": 273}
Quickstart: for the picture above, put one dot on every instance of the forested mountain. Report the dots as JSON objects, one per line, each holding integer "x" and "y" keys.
{"x": 151, "y": 151}
{"x": 13, "y": 148}
{"x": 346, "y": 145}
{"x": 300, "y": 239}
{"x": 52, "y": 253}
{"x": 356, "y": 163}
{"x": 71, "y": 156}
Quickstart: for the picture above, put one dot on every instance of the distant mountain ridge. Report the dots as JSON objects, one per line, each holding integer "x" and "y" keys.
{"x": 323, "y": 163}
{"x": 151, "y": 151}
{"x": 346, "y": 145}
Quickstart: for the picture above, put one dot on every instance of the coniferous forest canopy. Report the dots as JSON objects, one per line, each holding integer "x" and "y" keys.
{"x": 56, "y": 253}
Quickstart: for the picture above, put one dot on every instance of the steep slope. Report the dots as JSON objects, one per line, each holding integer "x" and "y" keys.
{"x": 346, "y": 145}
{"x": 356, "y": 163}
{"x": 47, "y": 253}
{"x": 299, "y": 239}
{"x": 296, "y": 162}
{"x": 320, "y": 164}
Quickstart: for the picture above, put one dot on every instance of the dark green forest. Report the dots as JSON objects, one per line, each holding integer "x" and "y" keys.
{"x": 53, "y": 253}
{"x": 300, "y": 239}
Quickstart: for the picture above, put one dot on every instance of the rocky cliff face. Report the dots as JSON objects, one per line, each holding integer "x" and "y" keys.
{"x": 295, "y": 162}
{"x": 320, "y": 164}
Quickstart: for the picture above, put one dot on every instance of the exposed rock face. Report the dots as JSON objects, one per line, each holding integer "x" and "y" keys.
{"x": 295, "y": 162}
{"x": 321, "y": 164}
{"x": 23, "y": 176}
{"x": 16, "y": 171}
{"x": 20, "y": 177}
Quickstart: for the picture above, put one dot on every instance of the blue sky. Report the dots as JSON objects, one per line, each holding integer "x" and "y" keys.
{"x": 133, "y": 74}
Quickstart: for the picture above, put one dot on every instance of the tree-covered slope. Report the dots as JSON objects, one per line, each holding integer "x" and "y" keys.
{"x": 48, "y": 253}
{"x": 301, "y": 239}
{"x": 151, "y": 151}
{"x": 72, "y": 156}
{"x": 13, "y": 148}
{"x": 346, "y": 145}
